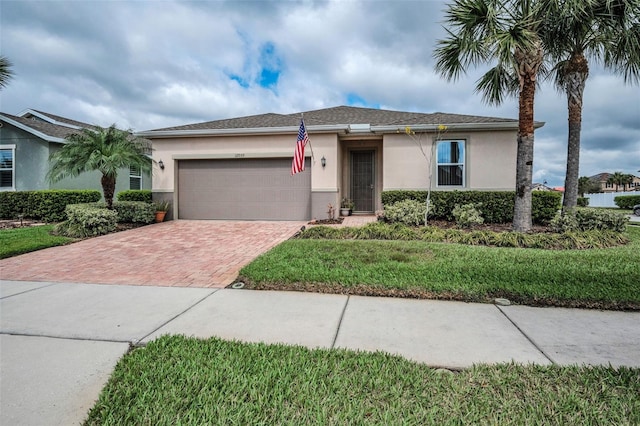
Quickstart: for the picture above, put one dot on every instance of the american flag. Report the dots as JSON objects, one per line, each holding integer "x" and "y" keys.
{"x": 297, "y": 165}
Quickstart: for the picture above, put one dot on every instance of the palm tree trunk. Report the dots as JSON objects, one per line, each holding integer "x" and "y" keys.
{"x": 575, "y": 79}
{"x": 108, "y": 189}
{"x": 528, "y": 64}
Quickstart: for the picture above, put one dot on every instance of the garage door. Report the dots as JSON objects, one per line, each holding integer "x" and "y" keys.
{"x": 246, "y": 189}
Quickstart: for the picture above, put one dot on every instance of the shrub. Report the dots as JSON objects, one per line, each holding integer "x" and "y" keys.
{"x": 143, "y": 195}
{"x": 583, "y": 202}
{"x": 589, "y": 220}
{"x": 134, "y": 211}
{"x": 467, "y": 215}
{"x": 565, "y": 241}
{"x": 409, "y": 212}
{"x": 87, "y": 220}
{"x": 46, "y": 205}
{"x": 627, "y": 201}
{"x": 497, "y": 206}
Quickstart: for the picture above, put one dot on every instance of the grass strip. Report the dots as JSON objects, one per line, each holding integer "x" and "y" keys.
{"x": 186, "y": 381}
{"x": 601, "y": 278}
{"x": 24, "y": 240}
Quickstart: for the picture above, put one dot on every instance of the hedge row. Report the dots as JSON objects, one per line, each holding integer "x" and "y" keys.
{"x": 131, "y": 211}
{"x": 496, "y": 206}
{"x": 143, "y": 195}
{"x": 46, "y": 205}
{"x": 627, "y": 201}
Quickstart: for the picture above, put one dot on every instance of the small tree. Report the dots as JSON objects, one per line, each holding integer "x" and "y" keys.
{"x": 586, "y": 185}
{"x": 104, "y": 150}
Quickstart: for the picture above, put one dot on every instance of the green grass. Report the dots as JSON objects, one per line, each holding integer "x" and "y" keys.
{"x": 601, "y": 278}
{"x": 178, "y": 380}
{"x": 24, "y": 240}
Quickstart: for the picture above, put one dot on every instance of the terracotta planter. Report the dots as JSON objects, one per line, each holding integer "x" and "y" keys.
{"x": 160, "y": 216}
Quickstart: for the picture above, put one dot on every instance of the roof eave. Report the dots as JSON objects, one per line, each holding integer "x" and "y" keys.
{"x": 511, "y": 125}
{"x": 34, "y": 132}
{"x": 151, "y": 134}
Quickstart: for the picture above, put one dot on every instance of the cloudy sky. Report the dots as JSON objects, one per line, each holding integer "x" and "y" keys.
{"x": 152, "y": 64}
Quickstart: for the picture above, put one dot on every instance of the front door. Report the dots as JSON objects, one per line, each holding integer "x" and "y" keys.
{"x": 362, "y": 181}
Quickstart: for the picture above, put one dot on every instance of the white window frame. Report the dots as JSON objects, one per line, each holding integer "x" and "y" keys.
{"x": 13, "y": 167}
{"x": 463, "y": 163}
{"x": 135, "y": 176}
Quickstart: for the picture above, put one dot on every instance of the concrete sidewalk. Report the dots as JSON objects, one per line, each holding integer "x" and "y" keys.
{"x": 60, "y": 342}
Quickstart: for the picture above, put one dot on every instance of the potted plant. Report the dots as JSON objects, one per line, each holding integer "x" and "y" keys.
{"x": 161, "y": 209}
{"x": 346, "y": 207}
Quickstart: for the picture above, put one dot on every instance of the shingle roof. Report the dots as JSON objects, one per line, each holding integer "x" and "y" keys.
{"x": 340, "y": 115}
{"x": 49, "y": 129}
{"x": 63, "y": 119}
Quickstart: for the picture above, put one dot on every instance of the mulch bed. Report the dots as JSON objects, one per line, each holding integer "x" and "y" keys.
{"x": 26, "y": 223}
{"x": 336, "y": 221}
{"x": 495, "y": 227}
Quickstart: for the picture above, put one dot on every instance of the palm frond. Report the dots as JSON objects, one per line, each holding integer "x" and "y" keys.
{"x": 6, "y": 73}
{"x": 496, "y": 84}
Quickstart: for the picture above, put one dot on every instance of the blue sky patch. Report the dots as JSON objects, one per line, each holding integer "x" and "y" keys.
{"x": 353, "y": 99}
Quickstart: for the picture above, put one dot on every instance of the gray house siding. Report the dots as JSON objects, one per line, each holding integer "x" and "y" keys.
{"x": 30, "y": 154}
{"x": 31, "y": 164}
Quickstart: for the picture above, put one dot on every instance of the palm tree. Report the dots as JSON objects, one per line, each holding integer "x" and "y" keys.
{"x": 587, "y": 186}
{"x": 104, "y": 150}
{"x": 507, "y": 32}
{"x": 579, "y": 31}
{"x": 6, "y": 73}
{"x": 619, "y": 178}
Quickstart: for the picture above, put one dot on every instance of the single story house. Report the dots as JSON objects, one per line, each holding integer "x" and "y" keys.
{"x": 27, "y": 140}
{"x": 240, "y": 168}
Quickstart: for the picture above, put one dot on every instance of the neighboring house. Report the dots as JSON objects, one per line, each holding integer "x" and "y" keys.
{"x": 239, "y": 168}
{"x": 541, "y": 187}
{"x": 602, "y": 179}
{"x": 27, "y": 140}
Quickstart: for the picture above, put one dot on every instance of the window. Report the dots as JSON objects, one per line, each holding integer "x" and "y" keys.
{"x": 608, "y": 184}
{"x": 451, "y": 163}
{"x": 135, "y": 177}
{"x": 7, "y": 167}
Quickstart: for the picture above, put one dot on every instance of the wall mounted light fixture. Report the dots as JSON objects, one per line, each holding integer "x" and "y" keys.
{"x": 323, "y": 161}
{"x": 161, "y": 165}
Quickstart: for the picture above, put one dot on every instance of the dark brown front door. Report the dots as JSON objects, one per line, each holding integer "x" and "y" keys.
{"x": 362, "y": 180}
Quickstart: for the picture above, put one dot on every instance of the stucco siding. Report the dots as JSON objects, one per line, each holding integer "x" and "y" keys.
{"x": 260, "y": 146}
{"x": 31, "y": 154}
{"x": 490, "y": 161}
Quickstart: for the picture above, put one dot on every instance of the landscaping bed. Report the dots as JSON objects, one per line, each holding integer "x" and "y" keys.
{"x": 597, "y": 278}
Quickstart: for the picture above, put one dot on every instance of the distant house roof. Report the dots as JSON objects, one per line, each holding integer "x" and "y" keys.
{"x": 54, "y": 119}
{"x": 341, "y": 118}
{"x": 600, "y": 177}
{"x": 49, "y": 127}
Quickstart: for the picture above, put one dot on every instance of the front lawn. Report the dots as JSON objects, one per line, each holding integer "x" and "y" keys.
{"x": 596, "y": 278}
{"x": 178, "y": 380}
{"x": 24, "y": 240}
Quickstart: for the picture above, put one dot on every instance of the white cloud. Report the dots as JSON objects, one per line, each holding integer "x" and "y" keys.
{"x": 148, "y": 65}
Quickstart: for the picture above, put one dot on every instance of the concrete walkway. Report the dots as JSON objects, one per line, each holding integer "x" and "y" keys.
{"x": 59, "y": 342}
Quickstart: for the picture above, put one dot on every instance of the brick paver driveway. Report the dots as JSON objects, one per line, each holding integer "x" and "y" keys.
{"x": 184, "y": 253}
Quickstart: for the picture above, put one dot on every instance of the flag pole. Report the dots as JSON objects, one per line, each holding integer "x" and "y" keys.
{"x": 313, "y": 158}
